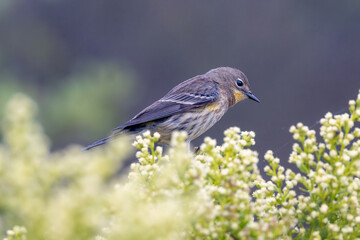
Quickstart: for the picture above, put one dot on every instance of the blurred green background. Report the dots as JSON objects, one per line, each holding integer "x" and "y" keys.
{"x": 92, "y": 65}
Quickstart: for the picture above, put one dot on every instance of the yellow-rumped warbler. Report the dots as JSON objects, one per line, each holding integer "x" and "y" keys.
{"x": 194, "y": 106}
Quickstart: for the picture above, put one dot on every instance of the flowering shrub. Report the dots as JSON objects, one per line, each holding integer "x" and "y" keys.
{"x": 217, "y": 193}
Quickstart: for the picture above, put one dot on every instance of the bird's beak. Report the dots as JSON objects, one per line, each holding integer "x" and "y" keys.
{"x": 252, "y": 97}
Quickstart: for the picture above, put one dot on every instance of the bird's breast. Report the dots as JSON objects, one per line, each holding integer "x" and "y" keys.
{"x": 194, "y": 122}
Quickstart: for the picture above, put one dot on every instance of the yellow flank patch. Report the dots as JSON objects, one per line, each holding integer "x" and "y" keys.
{"x": 239, "y": 96}
{"x": 213, "y": 106}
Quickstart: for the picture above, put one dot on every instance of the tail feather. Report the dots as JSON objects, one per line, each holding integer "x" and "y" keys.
{"x": 97, "y": 143}
{"x": 132, "y": 130}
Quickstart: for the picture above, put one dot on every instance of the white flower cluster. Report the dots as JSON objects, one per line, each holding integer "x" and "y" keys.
{"x": 17, "y": 233}
{"x": 51, "y": 194}
{"x": 328, "y": 178}
{"x": 217, "y": 193}
{"x": 149, "y": 161}
{"x": 235, "y": 202}
{"x": 276, "y": 199}
{"x": 19, "y": 120}
{"x": 229, "y": 172}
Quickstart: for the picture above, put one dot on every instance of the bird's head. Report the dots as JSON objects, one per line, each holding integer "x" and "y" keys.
{"x": 234, "y": 83}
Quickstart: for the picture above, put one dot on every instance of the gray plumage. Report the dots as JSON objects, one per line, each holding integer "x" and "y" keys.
{"x": 187, "y": 103}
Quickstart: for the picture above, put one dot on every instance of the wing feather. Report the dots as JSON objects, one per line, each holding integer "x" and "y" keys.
{"x": 192, "y": 93}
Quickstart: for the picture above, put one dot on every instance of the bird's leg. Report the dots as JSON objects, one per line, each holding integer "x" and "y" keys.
{"x": 196, "y": 150}
{"x": 188, "y": 147}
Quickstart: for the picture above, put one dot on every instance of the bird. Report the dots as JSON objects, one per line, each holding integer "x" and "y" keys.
{"x": 193, "y": 106}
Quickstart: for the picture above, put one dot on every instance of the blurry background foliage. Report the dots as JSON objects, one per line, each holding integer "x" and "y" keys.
{"x": 92, "y": 97}
{"x": 91, "y": 65}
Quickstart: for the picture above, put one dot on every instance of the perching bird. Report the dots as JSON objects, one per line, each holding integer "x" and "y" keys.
{"x": 194, "y": 106}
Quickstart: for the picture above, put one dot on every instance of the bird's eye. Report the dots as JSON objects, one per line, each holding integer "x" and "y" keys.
{"x": 239, "y": 82}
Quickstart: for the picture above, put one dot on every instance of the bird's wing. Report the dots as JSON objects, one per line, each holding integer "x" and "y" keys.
{"x": 192, "y": 93}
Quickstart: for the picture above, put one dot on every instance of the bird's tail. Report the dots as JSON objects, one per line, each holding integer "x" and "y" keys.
{"x": 133, "y": 130}
{"x": 98, "y": 143}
